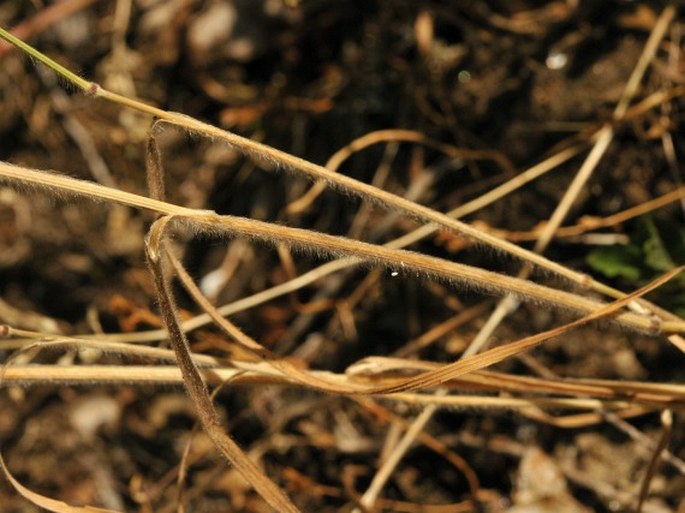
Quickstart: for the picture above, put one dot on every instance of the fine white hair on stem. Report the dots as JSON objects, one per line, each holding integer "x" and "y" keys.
{"x": 460, "y": 275}
{"x": 209, "y": 222}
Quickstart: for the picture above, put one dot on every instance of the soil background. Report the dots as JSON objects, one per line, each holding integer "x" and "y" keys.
{"x": 511, "y": 82}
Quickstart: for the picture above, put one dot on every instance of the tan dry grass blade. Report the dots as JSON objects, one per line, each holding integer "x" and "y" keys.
{"x": 367, "y": 375}
{"x": 396, "y": 135}
{"x": 279, "y": 364}
{"x": 344, "y": 263}
{"x": 191, "y": 378}
{"x": 406, "y": 262}
{"x": 498, "y": 354}
{"x": 588, "y": 224}
{"x": 314, "y": 171}
{"x": 46, "y": 502}
{"x": 376, "y": 370}
{"x": 647, "y": 395}
{"x": 27, "y": 341}
{"x": 349, "y": 185}
{"x": 306, "y": 240}
{"x": 355, "y": 252}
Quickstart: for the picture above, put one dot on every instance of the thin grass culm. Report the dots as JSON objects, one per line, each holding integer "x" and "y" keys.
{"x": 323, "y": 327}
{"x": 315, "y": 172}
{"x": 195, "y": 385}
{"x": 305, "y": 240}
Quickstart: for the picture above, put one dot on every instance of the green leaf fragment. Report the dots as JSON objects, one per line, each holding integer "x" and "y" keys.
{"x": 625, "y": 261}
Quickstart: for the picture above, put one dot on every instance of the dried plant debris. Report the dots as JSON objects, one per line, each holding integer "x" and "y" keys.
{"x": 540, "y": 486}
{"x": 385, "y": 256}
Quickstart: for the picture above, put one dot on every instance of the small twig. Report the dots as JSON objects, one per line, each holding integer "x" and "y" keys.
{"x": 667, "y": 426}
